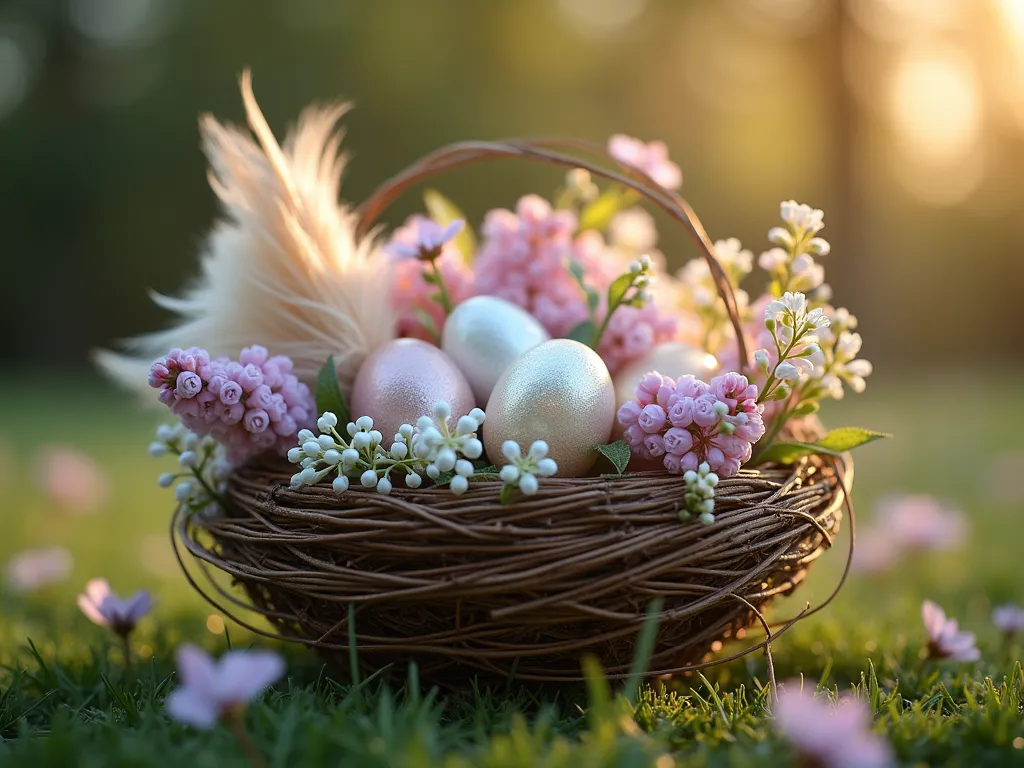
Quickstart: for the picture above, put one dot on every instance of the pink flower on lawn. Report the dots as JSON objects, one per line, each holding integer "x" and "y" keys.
{"x": 37, "y": 568}
{"x": 212, "y": 690}
{"x": 945, "y": 640}
{"x": 411, "y": 293}
{"x": 875, "y": 551}
{"x": 650, "y": 158}
{"x": 103, "y": 606}
{"x": 1009, "y": 619}
{"x": 72, "y": 480}
{"x": 829, "y": 735}
{"x": 921, "y": 522}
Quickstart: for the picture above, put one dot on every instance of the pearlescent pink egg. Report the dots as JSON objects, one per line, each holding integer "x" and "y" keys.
{"x": 402, "y": 380}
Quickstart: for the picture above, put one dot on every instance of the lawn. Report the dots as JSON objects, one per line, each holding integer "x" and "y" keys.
{"x": 66, "y": 697}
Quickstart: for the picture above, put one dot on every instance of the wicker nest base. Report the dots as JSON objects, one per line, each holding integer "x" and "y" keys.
{"x": 468, "y": 587}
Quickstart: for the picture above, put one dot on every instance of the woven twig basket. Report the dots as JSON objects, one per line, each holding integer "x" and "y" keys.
{"x": 464, "y": 585}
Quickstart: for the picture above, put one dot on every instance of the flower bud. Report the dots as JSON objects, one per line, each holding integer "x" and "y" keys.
{"x": 156, "y": 450}
{"x": 384, "y": 486}
{"x": 349, "y": 456}
{"x": 327, "y": 421}
{"x": 412, "y": 480}
{"x": 311, "y": 448}
{"x": 189, "y": 459}
{"x": 332, "y": 457}
{"x": 364, "y": 423}
{"x": 166, "y": 480}
{"x": 459, "y": 485}
{"x": 340, "y": 484}
{"x": 368, "y": 478}
{"x": 528, "y": 485}
{"x": 295, "y": 455}
{"x": 183, "y": 491}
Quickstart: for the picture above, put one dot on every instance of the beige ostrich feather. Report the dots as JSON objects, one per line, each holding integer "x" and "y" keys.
{"x": 283, "y": 268}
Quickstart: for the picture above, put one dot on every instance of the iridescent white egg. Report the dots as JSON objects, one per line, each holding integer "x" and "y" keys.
{"x": 559, "y": 392}
{"x": 484, "y": 335}
{"x": 670, "y": 358}
{"x": 402, "y": 380}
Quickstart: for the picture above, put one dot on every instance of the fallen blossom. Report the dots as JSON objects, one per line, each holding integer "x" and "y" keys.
{"x": 104, "y": 607}
{"x": 212, "y": 690}
{"x": 37, "y": 568}
{"x": 829, "y": 735}
{"x": 72, "y": 480}
{"x": 945, "y": 639}
{"x": 1009, "y": 619}
{"x": 920, "y": 522}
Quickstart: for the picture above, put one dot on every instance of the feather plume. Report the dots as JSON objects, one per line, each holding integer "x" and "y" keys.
{"x": 283, "y": 268}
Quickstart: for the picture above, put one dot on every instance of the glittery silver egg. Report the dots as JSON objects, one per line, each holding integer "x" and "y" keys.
{"x": 560, "y": 392}
{"x": 484, "y": 335}
{"x": 402, "y": 380}
{"x": 671, "y": 358}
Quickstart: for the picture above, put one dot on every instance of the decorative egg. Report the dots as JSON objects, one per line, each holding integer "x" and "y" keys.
{"x": 484, "y": 335}
{"x": 402, "y": 380}
{"x": 671, "y": 358}
{"x": 559, "y": 392}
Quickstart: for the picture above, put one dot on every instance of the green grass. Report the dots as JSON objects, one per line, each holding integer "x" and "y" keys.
{"x": 66, "y": 698}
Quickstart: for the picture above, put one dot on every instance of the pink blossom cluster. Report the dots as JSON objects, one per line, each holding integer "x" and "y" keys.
{"x": 522, "y": 260}
{"x": 411, "y": 295}
{"x": 250, "y": 405}
{"x": 687, "y": 422}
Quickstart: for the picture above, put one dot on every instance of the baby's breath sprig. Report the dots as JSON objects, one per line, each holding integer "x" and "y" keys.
{"x": 627, "y": 290}
{"x": 699, "y": 494}
{"x": 429, "y": 448}
{"x": 203, "y": 479}
{"x": 521, "y": 472}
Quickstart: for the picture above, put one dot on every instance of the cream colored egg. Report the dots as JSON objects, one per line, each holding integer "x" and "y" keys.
{"x": 560, "y": 392}
{"x": 402, "y": 380}
{"x": 671, "y": 358}
{"x": 484, "y": 335}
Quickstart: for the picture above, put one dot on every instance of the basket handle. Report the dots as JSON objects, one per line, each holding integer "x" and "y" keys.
{"x": 550, "y": 151}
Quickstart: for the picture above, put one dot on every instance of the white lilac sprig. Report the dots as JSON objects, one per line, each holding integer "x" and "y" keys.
{"x": 699, "y": 292}
{"x": 699, "y": 494}
{"x": 201, "y": 482}
{"x": 791, "y": 264}
{"x": 429, "y": 448}
{"x": 630, "y": 289}
{"x": 521, "y": 472}
{"x": 793, "y": 327}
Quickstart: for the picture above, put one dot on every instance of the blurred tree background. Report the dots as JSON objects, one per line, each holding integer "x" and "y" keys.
{"x": 903, "y": 119}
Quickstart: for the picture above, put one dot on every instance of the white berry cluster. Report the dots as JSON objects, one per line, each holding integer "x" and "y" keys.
{"x": 699, "y": 494}
{"x": 522, "y": 471}
{"x": 429, "y": 448}
{"x": 204, "y": 473}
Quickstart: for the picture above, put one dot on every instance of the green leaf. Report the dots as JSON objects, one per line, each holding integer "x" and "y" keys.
{"x": 577, "y": 270}
{"x": 593, "y": 300}
{"x": 618, "y": 453}
{"x": 583, "y": 333}
{"x": 427, "y": 321}
{"x": 806, "y": 409}
{"x": 443, "y": 479}
{"x": 617, "y": 290}
{"x": 847, "y": 438}
{"x": 328, "y": 393}
{"x": 598, "y": 214}
{"x": 786, "y": 453}
{"x": 834, "y": 443}
{"x": 444, "y": 211}
{"x": 507, "y": 492}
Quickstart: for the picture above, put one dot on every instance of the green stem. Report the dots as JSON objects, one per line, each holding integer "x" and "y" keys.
{"x": 234, "y": 722}
{"x": 446, "y": 299}
{"x": 602, "y": 328}
{"x": 126, "y": 649}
